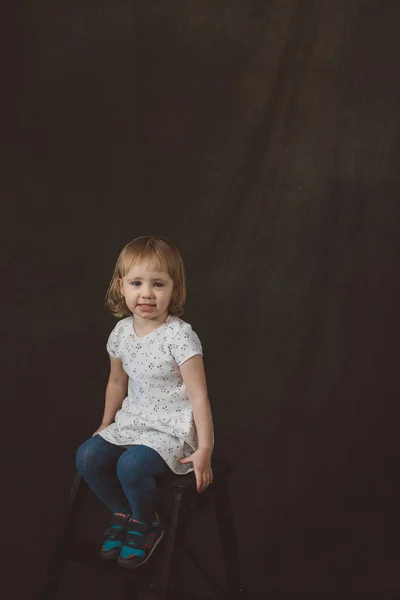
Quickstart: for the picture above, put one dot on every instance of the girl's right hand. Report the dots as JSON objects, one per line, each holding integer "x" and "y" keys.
{"x": 98, "y": 430}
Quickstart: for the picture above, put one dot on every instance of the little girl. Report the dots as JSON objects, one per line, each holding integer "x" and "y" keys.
{"x": 157, "y": 416}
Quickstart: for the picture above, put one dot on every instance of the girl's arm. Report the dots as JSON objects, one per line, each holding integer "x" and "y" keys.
{"x": 194, "y": 378}
{"x": 115, "y": 392}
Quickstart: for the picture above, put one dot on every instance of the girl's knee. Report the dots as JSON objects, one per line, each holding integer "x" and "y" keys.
{"x": 128, "y": 469}
{"x": 86, "y": 456}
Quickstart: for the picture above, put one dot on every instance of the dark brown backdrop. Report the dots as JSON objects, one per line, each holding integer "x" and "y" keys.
{"x": 262, "y": 137}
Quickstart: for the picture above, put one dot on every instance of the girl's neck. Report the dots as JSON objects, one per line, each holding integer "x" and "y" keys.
{"x": 143, "y": 327}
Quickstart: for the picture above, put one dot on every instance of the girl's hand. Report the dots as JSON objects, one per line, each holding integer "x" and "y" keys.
{"x": 201, "y": 460}
{"x": 98, "y": 430}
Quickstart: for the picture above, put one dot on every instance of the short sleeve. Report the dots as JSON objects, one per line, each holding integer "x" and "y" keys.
{"x": 185, "y": 345}
{"x": 114, "y": 341}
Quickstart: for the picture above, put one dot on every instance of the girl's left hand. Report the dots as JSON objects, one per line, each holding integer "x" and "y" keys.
{"x": 201, "y": 460}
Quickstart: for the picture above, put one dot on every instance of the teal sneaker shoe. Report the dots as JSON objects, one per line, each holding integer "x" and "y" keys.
{"x": 114, "y": 536}
{"x": 140, "y": 543}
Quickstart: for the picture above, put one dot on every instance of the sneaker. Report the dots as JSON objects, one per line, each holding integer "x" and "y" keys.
{"x": 115, "y": 535}
{"x": 140, "y": 543}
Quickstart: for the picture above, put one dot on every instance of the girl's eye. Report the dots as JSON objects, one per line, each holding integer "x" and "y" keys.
{"x": 159, "y": 285}
{"x": 135, "y": 283}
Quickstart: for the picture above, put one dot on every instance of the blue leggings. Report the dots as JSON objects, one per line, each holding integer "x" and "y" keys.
{"x": 123, "y": 479}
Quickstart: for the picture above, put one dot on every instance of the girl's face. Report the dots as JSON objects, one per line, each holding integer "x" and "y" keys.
{"x": 147, "y": 293}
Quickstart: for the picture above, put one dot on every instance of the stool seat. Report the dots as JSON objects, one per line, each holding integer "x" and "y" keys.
{"x": 220, "y": 468}
{"x": 178, "y": 504}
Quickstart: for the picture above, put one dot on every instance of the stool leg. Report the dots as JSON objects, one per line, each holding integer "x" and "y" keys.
{"x": 229, "y": 543}
{"x": 54, "y": 569}
{"x": 170, "y": 544}
{"x": 202, "y": 567}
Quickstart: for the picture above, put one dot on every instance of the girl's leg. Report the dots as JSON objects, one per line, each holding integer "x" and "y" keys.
{"x": 136, "y": 470}
{"x": 96, "y": 461}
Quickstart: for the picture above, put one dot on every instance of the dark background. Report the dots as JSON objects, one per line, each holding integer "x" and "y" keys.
{"x": 262, "y": 137}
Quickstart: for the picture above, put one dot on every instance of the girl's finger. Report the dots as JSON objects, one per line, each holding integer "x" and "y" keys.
{"x": 198, "y": 484}
{"x": 207, "y": 482}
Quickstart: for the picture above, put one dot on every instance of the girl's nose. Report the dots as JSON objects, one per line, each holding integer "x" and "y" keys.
{"x": 146, "y": 292}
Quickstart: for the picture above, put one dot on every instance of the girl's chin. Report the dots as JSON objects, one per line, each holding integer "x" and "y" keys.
{"x": 147, "y": 314}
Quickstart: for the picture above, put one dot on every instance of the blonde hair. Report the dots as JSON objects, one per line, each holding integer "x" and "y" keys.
{"x": 163, "y": 256}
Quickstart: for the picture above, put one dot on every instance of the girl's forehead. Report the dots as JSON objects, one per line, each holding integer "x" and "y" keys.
{"x": 146, "y": 268}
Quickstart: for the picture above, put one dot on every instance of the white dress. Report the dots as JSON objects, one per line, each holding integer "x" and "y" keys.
{"x": 157, "y": 411}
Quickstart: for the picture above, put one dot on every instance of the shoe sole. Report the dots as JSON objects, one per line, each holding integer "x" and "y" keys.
{"x": 110, "y": 555}
{"x": 125, "y": 562}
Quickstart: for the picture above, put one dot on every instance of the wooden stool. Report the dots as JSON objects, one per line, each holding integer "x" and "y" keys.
{"x": 184, "y": 504}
